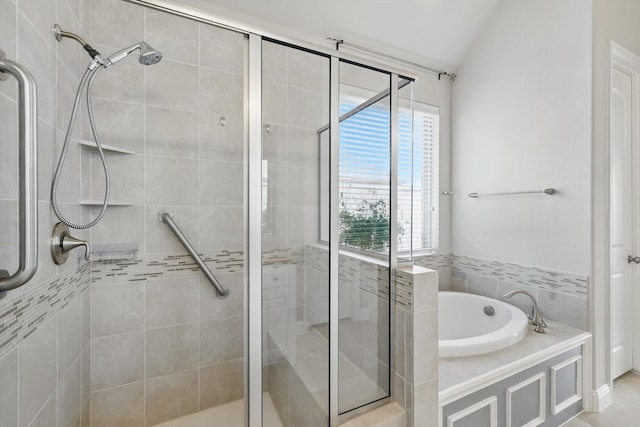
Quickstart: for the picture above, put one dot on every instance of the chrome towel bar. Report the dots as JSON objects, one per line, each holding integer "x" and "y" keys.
{"x": 548, "y": 191}
{"x": 167, "y": 218}
{"x": 28, "y": 173}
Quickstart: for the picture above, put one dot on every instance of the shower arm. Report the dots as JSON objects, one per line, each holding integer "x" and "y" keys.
{"x": 60, "y": 34}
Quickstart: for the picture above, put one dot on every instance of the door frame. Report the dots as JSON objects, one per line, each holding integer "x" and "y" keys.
{"x": 627, "y": 62}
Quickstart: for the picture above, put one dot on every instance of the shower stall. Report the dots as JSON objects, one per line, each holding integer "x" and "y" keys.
{"x": 277, "y": 163}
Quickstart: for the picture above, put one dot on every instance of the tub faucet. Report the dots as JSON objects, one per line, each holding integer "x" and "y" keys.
{"x": 535, "y": 317}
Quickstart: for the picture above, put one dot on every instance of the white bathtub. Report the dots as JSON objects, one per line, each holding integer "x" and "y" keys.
{"x": 465, "y": 330}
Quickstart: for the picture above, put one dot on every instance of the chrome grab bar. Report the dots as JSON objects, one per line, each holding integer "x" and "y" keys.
{"x": 167, "y": 218}
{"x": 28, "y": 172}
{"x": 548, "y": 191}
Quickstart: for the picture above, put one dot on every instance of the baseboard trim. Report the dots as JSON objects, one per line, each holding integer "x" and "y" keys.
{"x": 601, "y": 398}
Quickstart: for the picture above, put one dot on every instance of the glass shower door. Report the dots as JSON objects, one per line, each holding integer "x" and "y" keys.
{"x": 295, "y": 260}
{"x": 365, "y": 236}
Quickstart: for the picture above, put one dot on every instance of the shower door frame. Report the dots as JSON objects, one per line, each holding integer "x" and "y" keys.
{"x": 253, "y": 194}
{"x": 334, "y": 245}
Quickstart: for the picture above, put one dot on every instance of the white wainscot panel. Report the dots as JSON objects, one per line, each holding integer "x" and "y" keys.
{"x": 567, "y": 374}
{"x": 513, "y": 402}
{"x": 477, "y": 413}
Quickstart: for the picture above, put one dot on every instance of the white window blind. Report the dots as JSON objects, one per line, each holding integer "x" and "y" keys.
{"x": 364, "y": 170}
{"x": 418, "y": 173}
{"x": 365, "y": 180}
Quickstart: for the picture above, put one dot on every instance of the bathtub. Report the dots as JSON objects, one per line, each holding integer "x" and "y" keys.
{"x": 465, "y": 330}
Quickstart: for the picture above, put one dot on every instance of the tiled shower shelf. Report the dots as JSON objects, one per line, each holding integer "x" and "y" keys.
{"x": 99, "y": 203}
{"x": 108, "y": 148}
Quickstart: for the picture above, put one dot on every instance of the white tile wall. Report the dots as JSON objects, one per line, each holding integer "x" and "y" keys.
{"x": 43, "y": 372}
{"x": 416, "y": 346}
{"x": 158, "y": 322}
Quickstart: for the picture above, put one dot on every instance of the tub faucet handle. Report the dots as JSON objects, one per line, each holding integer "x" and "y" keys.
{"x": 535, "y": 317}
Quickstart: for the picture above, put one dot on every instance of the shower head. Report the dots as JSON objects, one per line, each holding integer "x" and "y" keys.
{"x": 148, "y": 55}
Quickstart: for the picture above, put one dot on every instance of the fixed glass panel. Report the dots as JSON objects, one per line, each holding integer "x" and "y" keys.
{"x": 182, "y": 122}
{"x": 295, "y": 265}
{"x": 364, "y": 233}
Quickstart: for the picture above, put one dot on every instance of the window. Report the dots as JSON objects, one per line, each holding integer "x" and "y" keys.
{"x": 364, "y": 177}
{"x": 364, "y": 163}
{"x": 418, "y": 178}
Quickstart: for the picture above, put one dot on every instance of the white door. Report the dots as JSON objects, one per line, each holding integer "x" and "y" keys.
{"x": 624, "y": 196}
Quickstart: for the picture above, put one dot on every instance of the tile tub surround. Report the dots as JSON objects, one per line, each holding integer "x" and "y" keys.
{"x": 562, "y": 297}
{"x": 416, "y": 345}
{"x": 455, "y": 373}
{"x": 465, "y": 380}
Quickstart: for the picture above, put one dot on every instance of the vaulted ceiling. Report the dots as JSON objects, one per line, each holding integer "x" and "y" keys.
{"x": 432, "y": 32}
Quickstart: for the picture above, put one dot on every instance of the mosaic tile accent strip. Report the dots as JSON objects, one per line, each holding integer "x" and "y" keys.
{"x": 365, "y": 275}
{"x": 404, "y": 290}
{"x": 22, "y": 313}
{"x": 163, "y": 265}
{"x": 434, "y": 262}
{"x": 317, "y": 258}
{"x": 354, "y": 271}
{"x": 567, "y": 283}
{"x": 174, "y": 265}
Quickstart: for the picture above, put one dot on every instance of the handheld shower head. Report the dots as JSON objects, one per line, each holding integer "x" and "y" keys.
{"x": 148, "y": 55}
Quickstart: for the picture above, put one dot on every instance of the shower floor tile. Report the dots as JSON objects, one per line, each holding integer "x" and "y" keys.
{"x": 228, "y": 415}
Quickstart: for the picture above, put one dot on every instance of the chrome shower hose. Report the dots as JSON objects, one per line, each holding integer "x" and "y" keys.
{"x": 87, "y": 79}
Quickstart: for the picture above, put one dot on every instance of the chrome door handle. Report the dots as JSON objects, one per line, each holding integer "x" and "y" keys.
{"x": 631, "y": 259}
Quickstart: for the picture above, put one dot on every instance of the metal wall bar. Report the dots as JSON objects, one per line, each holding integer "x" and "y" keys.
{"x": 548, "y": 191}
{"x": 167, "y": 218}
{"x": 28, "y": 176}
{"x": 253, "y": 306}
{"x": 334, "y": 230}
{"x": 439, "y": 73}
{"x": 366, "y": 104}
{"x": 393, "y": 218}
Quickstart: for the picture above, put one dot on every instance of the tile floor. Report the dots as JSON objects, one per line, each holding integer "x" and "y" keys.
{"x": 623, "y": 412}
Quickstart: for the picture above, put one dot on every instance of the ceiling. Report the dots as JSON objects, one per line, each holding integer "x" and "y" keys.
{"x": 436, "y": 33}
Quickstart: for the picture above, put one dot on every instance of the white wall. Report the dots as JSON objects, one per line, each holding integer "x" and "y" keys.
{"x": 522, "y": 121}
{"x": 44, "y": 347}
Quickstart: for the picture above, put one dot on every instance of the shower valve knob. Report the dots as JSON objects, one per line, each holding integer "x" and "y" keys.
{"x": 631, "y": 259}
{"x": 62, "y": 242}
